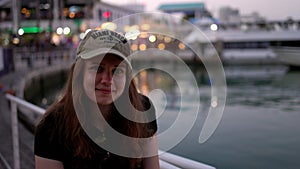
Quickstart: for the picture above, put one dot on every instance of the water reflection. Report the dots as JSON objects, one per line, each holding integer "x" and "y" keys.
{"x": 151, "y": 79}
{"x": 260, "y": 125}
{"x": 273, "y": 87}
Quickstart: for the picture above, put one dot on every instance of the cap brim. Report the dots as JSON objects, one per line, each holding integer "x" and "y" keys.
{"x": 103, "y": 51}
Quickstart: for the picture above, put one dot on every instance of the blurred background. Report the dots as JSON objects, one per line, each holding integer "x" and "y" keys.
{"x": 256, "y": 42}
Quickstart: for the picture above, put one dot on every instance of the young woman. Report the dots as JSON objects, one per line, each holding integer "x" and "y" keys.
{"x": 101, "y": 121}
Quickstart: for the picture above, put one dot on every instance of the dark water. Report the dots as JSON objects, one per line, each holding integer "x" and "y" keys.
{"x": 260, "y": 127}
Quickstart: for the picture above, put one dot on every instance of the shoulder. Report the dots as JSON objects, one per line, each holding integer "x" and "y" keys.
{"x": 48, "y": 121}
{"x": 47, "y": 127}
{"x": 46, "y": 141}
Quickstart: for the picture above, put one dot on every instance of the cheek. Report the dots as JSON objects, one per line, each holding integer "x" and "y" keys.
{"x": 120, "y": 84}
{"x": 89, "y": 83}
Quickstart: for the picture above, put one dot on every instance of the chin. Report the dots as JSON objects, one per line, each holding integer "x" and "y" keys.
{"x": 104, "y": 103}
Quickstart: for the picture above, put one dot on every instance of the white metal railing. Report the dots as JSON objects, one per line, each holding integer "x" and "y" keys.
{"x": 26, "y": 58}
{"x": 14, "y": 102}
{"x": 181, "y": 162}
{"x": 166, "y": 160}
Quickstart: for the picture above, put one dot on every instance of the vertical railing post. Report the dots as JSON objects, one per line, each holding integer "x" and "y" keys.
{"x": 15, "y": 134}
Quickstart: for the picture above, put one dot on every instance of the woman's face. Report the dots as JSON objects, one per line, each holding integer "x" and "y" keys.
{"x": 104, "y": 79}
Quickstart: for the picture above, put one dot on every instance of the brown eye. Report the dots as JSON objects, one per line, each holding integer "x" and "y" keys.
{"x": 99, "y": 69}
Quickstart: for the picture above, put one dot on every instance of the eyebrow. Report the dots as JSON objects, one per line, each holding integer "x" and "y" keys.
{"x": 120, "y": 65}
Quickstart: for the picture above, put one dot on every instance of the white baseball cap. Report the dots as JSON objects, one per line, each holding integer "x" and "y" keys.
{"x": 101, "y": 42}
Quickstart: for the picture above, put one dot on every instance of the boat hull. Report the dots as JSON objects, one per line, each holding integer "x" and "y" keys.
{"x": 288, "y": 55}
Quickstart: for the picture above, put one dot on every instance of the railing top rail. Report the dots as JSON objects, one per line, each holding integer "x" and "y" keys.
{"x": 182, "y": 162}
{"x": 25, "y": 104}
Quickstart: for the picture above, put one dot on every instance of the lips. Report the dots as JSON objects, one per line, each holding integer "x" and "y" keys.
{"x": 104, "y": 91}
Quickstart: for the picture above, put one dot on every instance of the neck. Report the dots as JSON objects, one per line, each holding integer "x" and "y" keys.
{"x": 105, "y": 110}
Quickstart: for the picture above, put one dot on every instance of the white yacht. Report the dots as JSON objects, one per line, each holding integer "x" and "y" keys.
{"x": 288, "y": 55}
{"x": 249, "y": 43}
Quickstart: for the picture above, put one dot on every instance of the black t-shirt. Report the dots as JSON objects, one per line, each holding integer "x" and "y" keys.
{"x": 48, "y": 144}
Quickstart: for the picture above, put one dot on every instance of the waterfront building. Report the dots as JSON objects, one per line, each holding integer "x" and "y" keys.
{"x": 229, "y": 15}
{"x": 59, "y": 18}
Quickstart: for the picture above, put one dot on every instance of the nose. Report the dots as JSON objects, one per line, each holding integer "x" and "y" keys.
{"x": 106, "y": 77}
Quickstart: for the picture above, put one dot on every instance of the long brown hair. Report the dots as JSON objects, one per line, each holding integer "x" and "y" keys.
{"x": 68, "y": 125}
